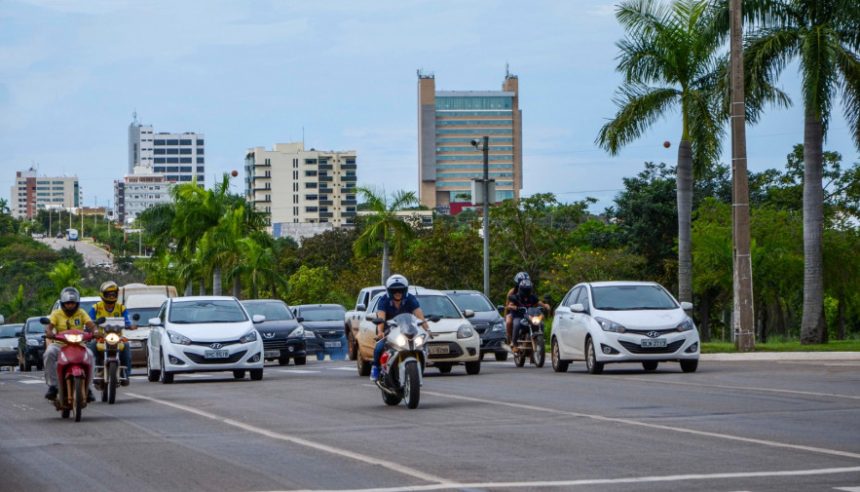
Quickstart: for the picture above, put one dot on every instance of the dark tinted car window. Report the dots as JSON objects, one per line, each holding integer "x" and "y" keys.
{"x": 632, "y": 297}
{"x": 273, "y": 311}
{"x": 207, "y": 311}
{"x": 10, "y": 331}
{"x": 35, "y": 326}
{"x": 470, "y": 300}
{"x": 322, "y": 314}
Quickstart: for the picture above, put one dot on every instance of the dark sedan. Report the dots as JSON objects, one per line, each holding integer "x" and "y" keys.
{"x": 31, "y": 345}
{"x": 283, "y": 336}
{"x": 9, "y": 335}
{"x": 324, "y": 333}
{"x": 487, "y": 321}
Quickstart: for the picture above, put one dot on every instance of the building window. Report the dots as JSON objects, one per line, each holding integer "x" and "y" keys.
{"x": 159, "y": 142}
{"x": 310, "y": 185}
{"x": 185, "y": 142}
{"x": 172, "y": 160}
{"x": 199, "y": 150}
{"x": 199, "y": 160}
{"x": 185, "y": 160}
{"x": 310, "y": 161}
{"x": 159, "y": 151}
{"x": 311, "y": 197}
{"x": 199, "y": 141}
{"x": 200, "y": 169}
{"x": 310, "y": 173}
{"x": 185, "y": 151}
{"x": 172, "y": 142}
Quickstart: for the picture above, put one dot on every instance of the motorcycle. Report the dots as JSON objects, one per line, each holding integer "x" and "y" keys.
{"x": 402, "y": 361}
{"x": 74, "y": 365}
{"x": 110, "y": 371}
{"x": 530, "y": 337}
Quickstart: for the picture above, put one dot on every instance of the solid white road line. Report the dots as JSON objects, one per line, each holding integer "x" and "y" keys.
{"x": 295, "y": 371}
{"x": 605, "y": 481}
{"x": 617, "y": 420}
{"x": 404, "y": 470}
{"x": 31, "y": 381}
{"x": 743, "y": 388}
{"x": 847, "y": 489}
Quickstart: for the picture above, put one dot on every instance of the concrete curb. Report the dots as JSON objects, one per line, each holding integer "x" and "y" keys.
{"x": 766, "y": 356}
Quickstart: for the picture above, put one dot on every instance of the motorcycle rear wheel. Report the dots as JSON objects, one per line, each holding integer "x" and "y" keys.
{"x": 412, "y": 386}
{"x": 389, "y": 399}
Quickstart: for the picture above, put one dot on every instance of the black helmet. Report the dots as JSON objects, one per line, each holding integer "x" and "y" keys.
{"x": 525, "y": 288}
{"x": 396, "y": 283}
{"x": 519, "y": 277}
{"x": 70, "y": 294}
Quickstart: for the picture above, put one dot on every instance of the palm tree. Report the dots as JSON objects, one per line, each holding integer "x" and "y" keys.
{"x": 65, "y": 274}
{"x": 384, "y": 227}
{"x": 259, "y": 266}
{"x": 4, "y": 206}
{"x": 824, "y": 35}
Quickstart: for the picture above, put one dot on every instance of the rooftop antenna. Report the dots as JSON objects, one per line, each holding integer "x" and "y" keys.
{"x": 507, "y": 70}
{"x": 303, "y": 137}
{"x": 134, "y": 116}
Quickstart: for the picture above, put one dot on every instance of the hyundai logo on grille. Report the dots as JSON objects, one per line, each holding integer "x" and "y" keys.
{"x": 268, "y": 335}
{"x": 653, "y": 334}
{"x": 215, "y": 346}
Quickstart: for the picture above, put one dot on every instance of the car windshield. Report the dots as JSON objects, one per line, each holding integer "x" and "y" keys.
{"x": 206, "y": 311}
{"x": 322, "y": 314}
{"x": 632, "y": 297}
{"x": 146, "y": 314}
{"x": 35, "y": 327}
{"x": 10, "y": 331}
{"x": 273, "y": 311}
{"x": 441, "y": 306}
{"x": 471, "y": 300}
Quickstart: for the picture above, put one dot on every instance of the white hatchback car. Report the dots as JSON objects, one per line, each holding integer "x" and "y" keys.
{"x": 606, "y": 322}
{"x": 203, "y": 334}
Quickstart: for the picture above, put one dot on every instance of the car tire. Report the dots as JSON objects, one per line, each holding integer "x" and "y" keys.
{"x": 27, "y": 366}
{"x": 238, "y": 374}
{"x": 152, "y": 375}
{"x": 591, "y": 363}
{"x": 501, "y": 356}
{"x": 40, "y": 365}
{"x": 689, "y": 365}
{"x": 444, "y": 368}
{"x": 283, "y": 361}
{"x": 256, "y": 374}
{"x": 558, "y": 365}
{"x": 166, "y": 376}
{"x": 352, "y": 347}
{"x": 650, "y": 365}
{"x": 300, "y": 361}
{"x": 362, "y": 366}
{"x": 473, "y": 367}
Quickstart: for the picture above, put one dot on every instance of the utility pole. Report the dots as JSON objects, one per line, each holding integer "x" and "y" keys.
{"x": 742, "y": 317}
{"x": 485, "y": 183}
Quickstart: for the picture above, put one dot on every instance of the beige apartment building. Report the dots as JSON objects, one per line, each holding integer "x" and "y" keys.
{"x": 448, "y": 121}
{"x": 294, "y": 186}
{"x": 32, "y": 192}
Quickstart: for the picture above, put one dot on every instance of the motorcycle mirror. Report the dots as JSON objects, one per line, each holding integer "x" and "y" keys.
{"x": 136, "y": 316}
{"x": 44, "y": 321}
{"x": 100, "y": 320}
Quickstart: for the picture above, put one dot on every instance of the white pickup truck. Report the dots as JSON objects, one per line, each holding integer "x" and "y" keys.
{"x": 353, "y": 317}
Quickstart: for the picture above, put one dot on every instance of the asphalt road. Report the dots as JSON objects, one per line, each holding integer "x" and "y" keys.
{"x": 93, "y": 255}
{"x": 732, "y": 426}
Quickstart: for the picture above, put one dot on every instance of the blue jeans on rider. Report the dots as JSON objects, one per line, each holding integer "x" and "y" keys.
{"x": 124, "y": 356}
{"x": 377, "y": 352}
{"x": 516, "y": 323}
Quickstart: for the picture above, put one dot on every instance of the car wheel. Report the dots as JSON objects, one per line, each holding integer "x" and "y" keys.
{"x": 501, "y": 356}
{"x": 473, "y": 367}
{"x": 362, "y": 366}
{"x": 351, "y": 347}
{"x": 444, "y": 368}
{"x": 27, "y": 366}
{"x": 689, "y": 365}
{"x": 283, "y": 361}
{"x": 166, "y": 376}
{"x": 151, "y": 374}
{"x": 256, "y": 374}
{"x": 239, "y": 374}
{"x": 558, "y": 365}
{"x": 650, "y": 365}
{"x": 591, "y": 363}
{"x": 300, "y": 361}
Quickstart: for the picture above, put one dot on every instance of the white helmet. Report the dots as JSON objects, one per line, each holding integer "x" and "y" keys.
{"x": 396, "y": 283}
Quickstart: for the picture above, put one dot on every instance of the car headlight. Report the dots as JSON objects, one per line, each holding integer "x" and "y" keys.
{"x": 249, "y": 337}
{"x": 500, "y": 326}
{"x": 33, "y": 342}
{"x": 465, "y": 331}
{"x": 685, "y": 325}
{"x": 177, "y": 338}
{"x": 609, "y": 325}
{"x": 310, "y": 334}
{"x": 112, "y": 338}
{"x": 297, "y": 333}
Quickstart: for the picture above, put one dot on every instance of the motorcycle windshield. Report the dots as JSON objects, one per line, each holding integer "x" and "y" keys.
{"x": 404, "y": 324}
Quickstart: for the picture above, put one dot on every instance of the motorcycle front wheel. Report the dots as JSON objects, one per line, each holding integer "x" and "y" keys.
{"x": 112, "y": 382}
{"x": 412, "y": 386}
{"x": 79, "y": 395}
{"x": 539, "y": 353}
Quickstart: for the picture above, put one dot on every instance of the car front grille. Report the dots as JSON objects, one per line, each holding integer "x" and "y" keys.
{"x": 223, "y": 344}
{"x": 635, "y": 348}
{"x": 328, "y": 335}
{"x": 453, "y": 350}
{"x": 481, "y": 327}
{"x": 275, "y": 344}
{"x": 199, "y": 359}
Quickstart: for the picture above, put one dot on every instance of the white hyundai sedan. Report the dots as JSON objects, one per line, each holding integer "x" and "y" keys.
{"x": 203, "y": 334}
{"x": 607, "y": 322}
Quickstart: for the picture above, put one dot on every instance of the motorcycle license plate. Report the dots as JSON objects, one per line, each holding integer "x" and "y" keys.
{"x": 216, "y": 354}
{"x": 272, "y": 353}
{"x": 653, "y": 342}
{"x": 439, "y": 349}
{"x": 332, "y": 345}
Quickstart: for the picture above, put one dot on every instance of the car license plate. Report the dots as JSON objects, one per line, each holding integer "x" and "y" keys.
{"x": 332, "y": 344}
{"x": 653, "y": 342}
{"x": 216, "y": 354}
{"x": 135, "y": 344}
{"x": 272, "y": 353}
{"x": 440, "y": 349}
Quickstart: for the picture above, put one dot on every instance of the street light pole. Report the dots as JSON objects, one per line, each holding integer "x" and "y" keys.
{"x": 484, "y": 145}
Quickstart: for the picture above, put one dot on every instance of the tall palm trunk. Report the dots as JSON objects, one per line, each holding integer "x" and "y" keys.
{"x": 812, "y": 323}
{"x": 386, "y": 265}
{"x": 216, "y": 281}
{"x": 189, "y": 288}
{"x": 237, "y": 288}
{"x": 685, "y": 211}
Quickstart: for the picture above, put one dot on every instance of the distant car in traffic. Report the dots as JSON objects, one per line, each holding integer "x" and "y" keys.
{"x": 324, "y": 329}
{"x": 31, "y": 345}
{"x": 487, "y": 321}
{"x": 9, "y": 335}
{"x": 283, "y": 336}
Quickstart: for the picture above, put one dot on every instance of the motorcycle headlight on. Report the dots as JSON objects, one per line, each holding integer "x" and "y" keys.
{"x": 401, "y": 341}
{"x": 419, "y": 341}
{"x": 685, "y": 325}
{"x": 112, "y": 338}
{"x": 535, "y": 320}
{"x": 249, "y": 337}
{"x": 297, "y": 333}
{"x": 465, "y": 331}
{"x": 609, "y": 325}
{"x": 74, "y": 338}
{"x": 177, "y": 338}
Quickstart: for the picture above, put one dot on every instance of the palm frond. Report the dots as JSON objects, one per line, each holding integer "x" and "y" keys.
{"x": 849, "y": 66}
{"x": 639, "y": 107}
{"x": 818, "y": 73}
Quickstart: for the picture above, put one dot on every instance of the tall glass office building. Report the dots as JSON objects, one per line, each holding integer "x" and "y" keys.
{"x": 447, "y": 123}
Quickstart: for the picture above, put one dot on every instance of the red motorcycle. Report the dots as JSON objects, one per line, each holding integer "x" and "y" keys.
{"x": 74, "y": 367}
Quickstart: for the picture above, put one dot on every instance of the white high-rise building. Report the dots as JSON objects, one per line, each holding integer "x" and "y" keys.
{"x": 139, "y": 191}
{"x": 180, "y": 157}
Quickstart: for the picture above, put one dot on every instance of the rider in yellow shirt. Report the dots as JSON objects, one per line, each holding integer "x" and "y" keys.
{"x": 108, "y": 307}
{"x": 69, "y": 316}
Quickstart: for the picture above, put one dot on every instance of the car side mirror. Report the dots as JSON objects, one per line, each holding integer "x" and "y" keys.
{"x": 500, "y": 309}
{"x": 360, "y": 307}
{"x": 562, "y": 309}
{"x": 577, "y": 308}
{"x": 434, "y": 318}
{"x": 136, "y": 317}
{"x": 154, "y": 321}
{"x": 258, "y": 318}
{"x": 468, "y": 313}
{"x": 687, "y": 306}
{"x": 44, "y": 321}
{"x": 300, "y": 319}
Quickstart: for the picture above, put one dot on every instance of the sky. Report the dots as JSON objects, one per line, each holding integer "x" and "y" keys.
{"x": 339, "y": 73}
